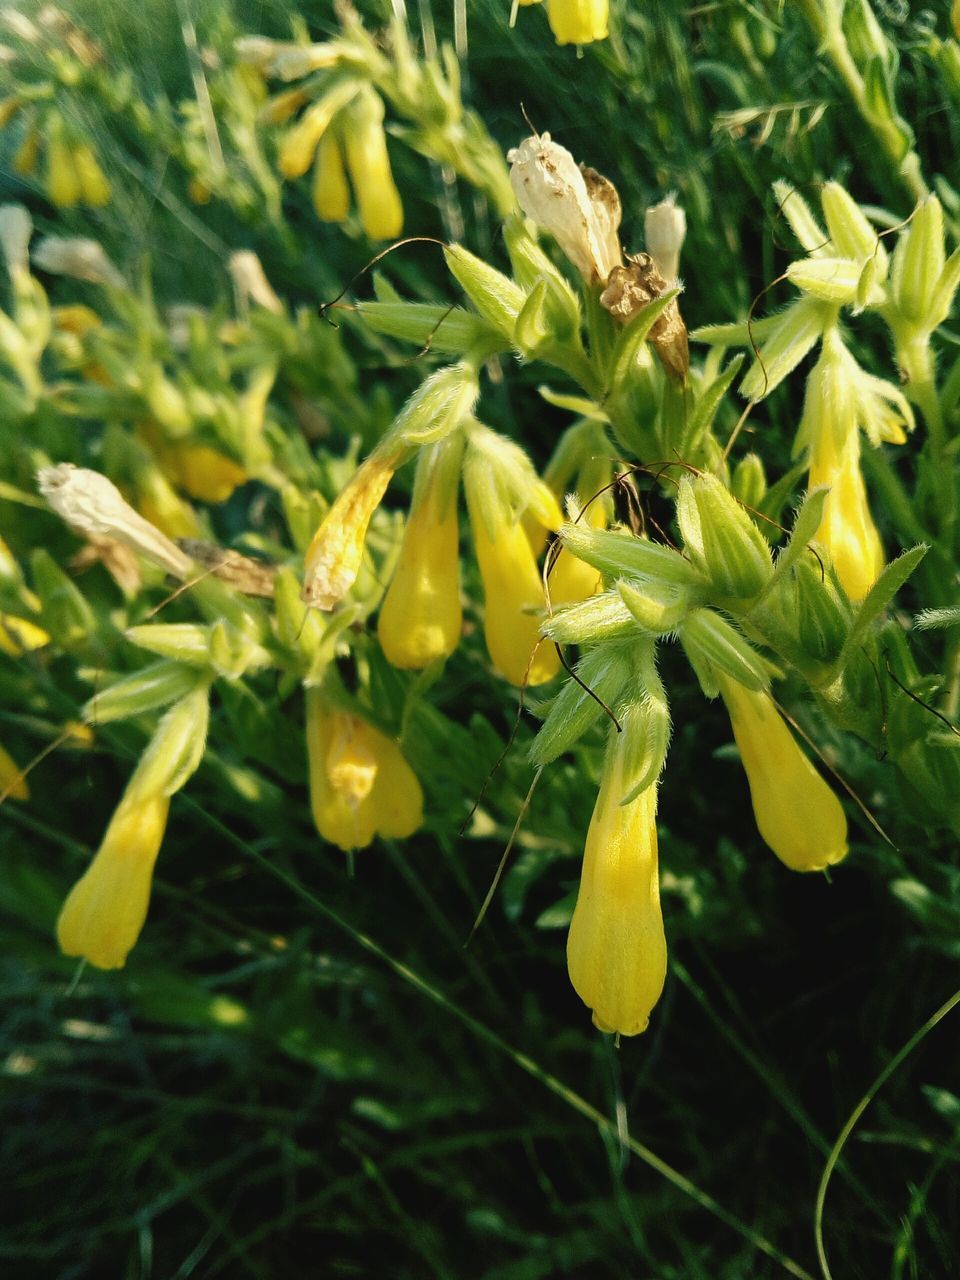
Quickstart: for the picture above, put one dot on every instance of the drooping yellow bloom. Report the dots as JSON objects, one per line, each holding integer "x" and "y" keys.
{"x": 578, "y": 21}
{"x": 331, "y": 192}
{"x": 573, "y": 580}
{"x": 616, "y": 948}
{"x": 336, "y": 550}
{"x": 105, "y": 911}
{"x": 94, "y": 187}
{"x": 360, "y": 784}
{"x": 797, "y": 813}
{"x": 512, "y": 593}
{"x": 63, "y": 180}
{"x": 299, "y": 144}
{"x": 365, "y": 144}
{"x": 13, "y": 785}
{"x": 20, "y": 635}
{"x": 27, "y": 154}
{"x": 847, "y": 531}
{"x": 421, "y": 616}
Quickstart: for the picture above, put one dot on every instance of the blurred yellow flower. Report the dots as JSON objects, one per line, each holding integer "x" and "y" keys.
{"x": 360, "y": 784}
{"x": 365, "y": 144}
{"x": 797, "y": 814}
{"x": 12, "y": 783}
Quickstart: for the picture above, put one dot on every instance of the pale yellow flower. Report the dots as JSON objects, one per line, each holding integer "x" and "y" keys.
{"x": 616, "y": 948}
{"x": 797, "y": 814}
{"x": 360, "y": 784}
{"x": 421, "y": 616}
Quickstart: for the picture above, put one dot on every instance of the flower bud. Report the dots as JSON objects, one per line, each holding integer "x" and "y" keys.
{"x": 657, "y": 608}
{"x": 714, "y": 647}
{"x": 421, "y": 616}
{"x": 139, "y": 692}
{"x": 852, "y": 233}
{"x": 664, "y": 231}
{"x": 749, "y": 482}
{"x": 797, "y": 813}
{"x": 721, "y": 539}
{"x": 918, "y": 263}
{"x": 494, "y": 295}
{"x": 616, "y": 948}
{"x": 106, "y": 909}
{"x": 600, "y": 618}
{"x": 617, "y": 553}
{"x": 821, "y": 616}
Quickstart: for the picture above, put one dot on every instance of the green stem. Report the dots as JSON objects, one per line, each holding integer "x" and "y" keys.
{"x": 826, "y": 26}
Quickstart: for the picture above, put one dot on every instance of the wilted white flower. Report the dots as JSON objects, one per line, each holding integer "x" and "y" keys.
{"x": 92, "y": 504}
{"x": 664, "y": 229}
{"x": 250, "y": 282}
{"x": 579, "y": 207}
{"x": 15, "y": 231}
{"x": 78, "y": 257}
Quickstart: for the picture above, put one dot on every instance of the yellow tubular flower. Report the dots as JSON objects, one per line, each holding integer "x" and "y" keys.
{"x": 94, "y": 187}
{"x": 299, "y": 143}
{"x": 847, "y": 531}
{"x": 331, "y": 192}
{"x": 336, "y": 550}
{"x": 616, "y": 948}
{"x": 360, "y": 784}
{"x": 573, "y": 580}
{"x": 12, "y": 785}
{"x": 365, "y": 142}
{"x": 797, "y": 814}
{"x": 513, "y": 597}
{"x": 421, "y": 617}
{"x": 106, "y": 909}
{"x": 578, "y": 21}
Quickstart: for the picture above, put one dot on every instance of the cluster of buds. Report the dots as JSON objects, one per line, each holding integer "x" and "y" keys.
{"x": 722, "y": 582}
{"x": 849, "y": 267}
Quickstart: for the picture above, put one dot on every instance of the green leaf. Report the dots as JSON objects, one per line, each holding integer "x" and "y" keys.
{"x": 879, "y": 597}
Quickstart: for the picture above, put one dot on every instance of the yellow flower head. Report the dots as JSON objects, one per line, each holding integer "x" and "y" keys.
{"x": 578, "y": 21}
{"x": 360, "y": 784}
{"x": 421, "y": 615}
{"x": 365, "y": 143}
{"x": 94, "y": 187}
{"x": 512, "y": 587}
{"x": 334, "y": 555}
{"x": 616, "y": 948}
{"x": 105, "y": 910}
{"x": 797, "y": 814}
